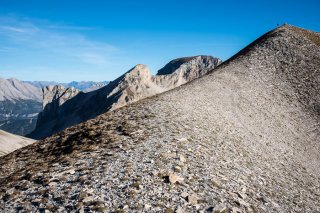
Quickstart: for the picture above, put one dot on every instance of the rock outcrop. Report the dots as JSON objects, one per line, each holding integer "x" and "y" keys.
{"x": 53, "y": 98}
{"x": 10, "y": 142}
{"x": 138, "y": 83}
{"x": 248, "y": 133}
{"x": 57, "y": 95}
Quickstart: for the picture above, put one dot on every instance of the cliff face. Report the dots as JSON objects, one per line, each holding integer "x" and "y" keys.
{"x": 53, "y": 98}
{"x": 57, "y": 94}
{"x": 136, "y": 84}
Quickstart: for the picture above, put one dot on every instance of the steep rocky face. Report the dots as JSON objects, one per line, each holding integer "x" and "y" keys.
{"x": 10, "y": 142}
{"x": 20, "y": 104}
{"x": 244, "y": 138}
{"x": 53, "y": 98}
{"x": 136, "y": 84}
{"x": 57, "y": 94}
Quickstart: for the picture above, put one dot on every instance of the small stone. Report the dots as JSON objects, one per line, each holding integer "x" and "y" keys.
{"x": 147, "y": 206}
{"x": 54, "y": 180}
{"x": 183, "y": 140}
{"x": 88, "y": 199}
{"x": 81, "y": 209}
{"x": 71, "y": 171}
{"x": 184, "y": 194}
{"x": 221, "y": 208}
{"x": 235, "y": 210}
{"x": 193, "y": 199}
{"x": 173, "y": 178}
{"x": 53, "y": 184}
{"x": 180, "y": 210}
{"x": 168, "y": 210}
{"x": 242, "y": 203}
{"x": 182, "y": 159}
{"x": 177, "y": 169}
{"x": 242, "y": 195}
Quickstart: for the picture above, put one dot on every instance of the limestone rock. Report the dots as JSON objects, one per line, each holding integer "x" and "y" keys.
{"x": 192, "y": 199}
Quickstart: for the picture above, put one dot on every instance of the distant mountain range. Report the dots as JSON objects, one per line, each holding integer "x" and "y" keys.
{"x": 80, "y": 85}
{"x": 21, "y": 101}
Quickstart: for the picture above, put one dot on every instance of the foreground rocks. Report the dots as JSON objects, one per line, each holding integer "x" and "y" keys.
{"x": 248, "y": 134}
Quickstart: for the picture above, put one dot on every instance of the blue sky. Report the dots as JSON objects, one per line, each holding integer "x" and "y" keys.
{"x": 97, "y": 40}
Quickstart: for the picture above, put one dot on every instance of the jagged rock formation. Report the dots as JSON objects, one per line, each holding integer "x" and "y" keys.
{"x": 136, "y": 84}
{"x": 20, "y": 104}
{"x": 55, "y": 96}
{"x": 10, "y": 142}
{"x": 244, "y": 138}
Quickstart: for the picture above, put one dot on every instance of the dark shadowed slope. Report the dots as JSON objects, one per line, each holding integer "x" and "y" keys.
{"x": 244, "y": 138}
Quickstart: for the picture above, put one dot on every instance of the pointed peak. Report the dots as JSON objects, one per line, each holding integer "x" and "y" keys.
{"x": 307, "y": 34}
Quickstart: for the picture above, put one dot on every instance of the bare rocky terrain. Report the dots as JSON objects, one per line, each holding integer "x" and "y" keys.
{"x": 244, "y": 138}
{"x": 64, "y": 108}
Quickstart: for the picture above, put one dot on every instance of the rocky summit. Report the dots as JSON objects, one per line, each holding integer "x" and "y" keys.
{"x": 136, "y": 84}
{"x": 244, "y": 138}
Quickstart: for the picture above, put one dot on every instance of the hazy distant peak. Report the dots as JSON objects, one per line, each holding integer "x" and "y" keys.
{"x": 13, "y": 89}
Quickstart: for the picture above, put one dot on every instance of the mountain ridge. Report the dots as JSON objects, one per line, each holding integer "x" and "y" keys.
{"x": 243, "y": 138}
{"x": 134, "y": 85}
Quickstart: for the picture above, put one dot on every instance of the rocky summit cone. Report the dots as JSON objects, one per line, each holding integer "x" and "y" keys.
{"x": 244, "y": 138}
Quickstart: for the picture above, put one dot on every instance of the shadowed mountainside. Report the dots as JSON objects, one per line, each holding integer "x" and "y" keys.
{"x": 244, "y": 138}
{"x": 136, "y": 84}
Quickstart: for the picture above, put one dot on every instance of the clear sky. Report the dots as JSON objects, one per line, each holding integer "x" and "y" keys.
{"x": 65, "y": 40}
